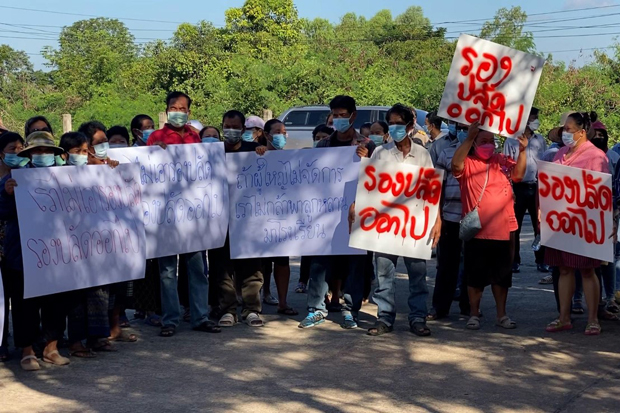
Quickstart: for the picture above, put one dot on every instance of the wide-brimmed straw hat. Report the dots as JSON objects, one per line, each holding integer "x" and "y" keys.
{"x": 40, "y": 139}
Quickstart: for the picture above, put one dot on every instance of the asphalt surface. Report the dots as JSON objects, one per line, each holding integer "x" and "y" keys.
{"x": 281, "y": 368}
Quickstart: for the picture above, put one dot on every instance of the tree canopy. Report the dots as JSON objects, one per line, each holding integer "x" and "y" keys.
{"x": 266, "y": 57}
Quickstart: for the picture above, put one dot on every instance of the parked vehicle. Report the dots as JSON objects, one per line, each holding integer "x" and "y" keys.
{"x": 300, "y": 121}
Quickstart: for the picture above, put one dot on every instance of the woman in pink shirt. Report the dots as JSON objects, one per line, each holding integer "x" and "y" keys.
{"x": 483, "y": 178}
{"x": 578, "y": 152}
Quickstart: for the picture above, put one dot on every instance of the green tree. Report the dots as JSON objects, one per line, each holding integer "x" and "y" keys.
{"x": 507, "y": 28}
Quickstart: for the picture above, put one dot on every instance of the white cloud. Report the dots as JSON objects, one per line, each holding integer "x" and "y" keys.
{"x": 582, "y": 4}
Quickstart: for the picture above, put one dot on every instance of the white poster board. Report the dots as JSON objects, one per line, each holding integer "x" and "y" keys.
{"x": 396, "y": 208}
{"x": 80, "y": 227}
{"x": 291, "y": 202}
{"x": 492, "y": 84}
{"x": 576, "y": 210}
{"x": 1, "y": 309}
{"x": 184, "y": 196}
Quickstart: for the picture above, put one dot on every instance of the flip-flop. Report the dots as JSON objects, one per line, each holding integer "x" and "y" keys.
{"x": 104, "y": 347}
{"x": 124, "y": 338}
{"x": 557, "y": 326}
{"x": 208, "y": 327}
{"x": 83, "y": 354}
{"x": 167, "y": 331}
{"x": 593, "y": 329}
{"x": 288, "y": 311}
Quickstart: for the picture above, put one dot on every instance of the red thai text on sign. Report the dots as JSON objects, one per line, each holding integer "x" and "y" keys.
{"x": 396, "y": 217}
{"x": 582, "y": 195}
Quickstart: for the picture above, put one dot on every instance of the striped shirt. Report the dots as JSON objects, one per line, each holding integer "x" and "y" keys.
{"x": 452, "y": 206}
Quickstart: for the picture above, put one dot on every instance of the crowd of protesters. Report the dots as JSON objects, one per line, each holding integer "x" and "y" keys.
{"x": 211, "y": 291}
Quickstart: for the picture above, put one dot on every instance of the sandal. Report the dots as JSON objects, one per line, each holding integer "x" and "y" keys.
{"x": 506, "y": 322}
{"x": 208, "y": 327}
{"x": 123, "y": 322}
{"x": 379, "y": 329}
{"x": 607, "y": 316}
{"x": 288, "y": 311}
{"x": 30, "y": 363}
{"x": 83, "y": 354}
{"x": 593, "y": 329}
{"x": 420, "y": 329}
{"x": 55, "y": 358}
{"x": 270, "y": 300}
{"x": 104, "y": 346}
{"x": 227, "y": 320}
{"x": 124, "y": 338}
{"x": 153, "y": 320}
{"x": 473, "y": 323}
{"x": 254, "y": 320}
{"x": 167, "y": 331}
{"x": 577, "y": 308}
{"x": 556, "y": 326}
{"x": 612, "y": 307}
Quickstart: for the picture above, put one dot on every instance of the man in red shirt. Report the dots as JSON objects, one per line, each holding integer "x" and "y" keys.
{"x": 176, "y": 131}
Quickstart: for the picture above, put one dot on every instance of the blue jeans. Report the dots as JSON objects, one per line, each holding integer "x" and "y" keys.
{"x": 385, "y": 294}
{"x": 321, "y": 271}
{"x": 198, "y": 289}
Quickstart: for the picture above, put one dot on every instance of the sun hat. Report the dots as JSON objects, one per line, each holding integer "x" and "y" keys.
{"x": 40, "y": 139}
{"x": 254, "y": 122}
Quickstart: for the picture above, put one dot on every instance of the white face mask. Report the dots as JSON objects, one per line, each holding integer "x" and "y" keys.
{"x": 534, "y": 125}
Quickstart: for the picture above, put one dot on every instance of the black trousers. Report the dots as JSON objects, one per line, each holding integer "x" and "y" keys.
{"x": 48, "y": 312}
{"x": 525, "y": 201}
{"x": 448, "y": 266}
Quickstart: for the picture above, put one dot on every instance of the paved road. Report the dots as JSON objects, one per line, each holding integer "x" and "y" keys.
{"x": 280, "y": 368}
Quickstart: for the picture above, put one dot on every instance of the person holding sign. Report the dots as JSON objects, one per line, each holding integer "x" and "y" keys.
{"x": 247, "y": 272}
{"x": 404, "y": 150}
{"x": 176, "y": 132}
{"x": 29, "y": 314}
{"x": 486, "y": 190}
{"x": 578, "y": 152}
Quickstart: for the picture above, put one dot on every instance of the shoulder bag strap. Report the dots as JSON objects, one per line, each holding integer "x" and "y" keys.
{"x": 486, "y": 181}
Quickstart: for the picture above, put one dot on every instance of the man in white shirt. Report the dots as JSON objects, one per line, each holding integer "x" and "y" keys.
{"x": 526, "y": 191}
{"x": 402, "y": 149}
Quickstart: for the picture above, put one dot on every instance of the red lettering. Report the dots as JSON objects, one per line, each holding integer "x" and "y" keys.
{"x": 370, "y": 172}
{"x": 575, "y": 222}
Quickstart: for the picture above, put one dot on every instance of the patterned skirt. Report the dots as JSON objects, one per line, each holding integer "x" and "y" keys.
{"x": 557, "y": 258}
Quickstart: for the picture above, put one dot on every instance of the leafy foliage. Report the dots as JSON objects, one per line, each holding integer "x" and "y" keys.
{"x": 266, "y": 57}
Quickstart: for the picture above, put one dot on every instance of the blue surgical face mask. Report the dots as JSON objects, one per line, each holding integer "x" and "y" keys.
{"x": 13, "y": 160}
{"x": 398, "y": 132}
{"x": 77, "y": 160}
{"x": 461, "y": 135}
{"x": 377, "y": 139}
{"x": 452, "y": 129}
{"x": 146, "y": 133}
{"x": 210, "y": 139}
{"x": 248, "y": 136}
{"x": 342, "y": 124}
{"x": 42, "y": 161}
{"x": 101, "y": 150}
{"x": 60, "y": 161}
{"x": 117, "y": 146}
{"x": 278, "y": 141}
{"x": 568, "y": 139}
{"x": 315, "y": 143}
{"x": 177, "y": 119}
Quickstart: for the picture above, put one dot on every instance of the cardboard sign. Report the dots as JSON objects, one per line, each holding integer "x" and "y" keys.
{"x": 291, "y": 202}
{"x": 395, "y": 208}
{"x": 576, "y": 210}
{"x": 184, "y": 196}
{"x": 80, "y": 227}
{"x": 492, "y": 84}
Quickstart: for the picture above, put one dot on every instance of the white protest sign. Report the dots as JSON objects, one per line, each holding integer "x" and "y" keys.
{"x": 291, "y": 202}
{"x": 396, "y": 208}
{"x": 576, "y": 210}
{"x": 184, "y": 196}
{"x": 492, "y": 84}
{"x": 1, "y": 309}
{"x": 80, "y": 227}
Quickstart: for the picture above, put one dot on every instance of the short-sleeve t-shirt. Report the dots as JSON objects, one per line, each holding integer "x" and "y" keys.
{"x": 496, "y": 209}
{"x": 245, "y": 147}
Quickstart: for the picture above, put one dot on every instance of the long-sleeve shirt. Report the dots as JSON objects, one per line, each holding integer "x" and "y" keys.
{"x": 536, "y": 147}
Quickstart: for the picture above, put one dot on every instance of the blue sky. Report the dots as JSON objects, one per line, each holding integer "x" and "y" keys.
{"x": 561, "y": 31}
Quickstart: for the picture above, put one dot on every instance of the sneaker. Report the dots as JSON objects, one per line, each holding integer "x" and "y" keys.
{"x": 542, "y": 268}
{"x": 349, "y": 322}
{"x": 546, "y": 280}
{"x": 312, "y": 319}
{"x": 516, "y": 268}
{"x": 301, "y": 288}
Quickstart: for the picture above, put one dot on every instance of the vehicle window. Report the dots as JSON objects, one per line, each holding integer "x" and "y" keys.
{"x": 296, "y": 118}
{"x": 363, "y": 116}
{"x": 317, "y": 117}
{"x": 382, "y": 114}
